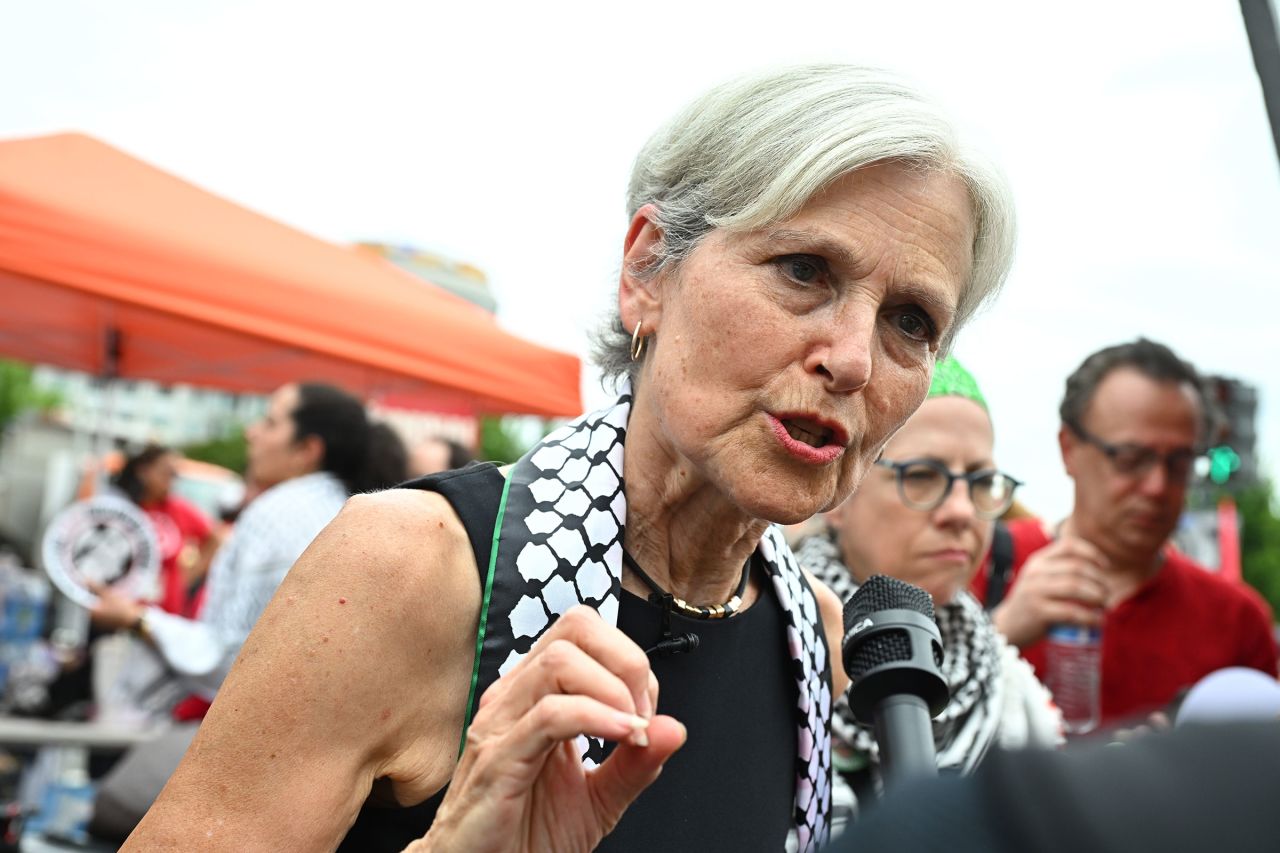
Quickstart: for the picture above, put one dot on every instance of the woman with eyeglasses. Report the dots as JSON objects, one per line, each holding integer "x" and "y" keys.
{"x": 925, "y": 515}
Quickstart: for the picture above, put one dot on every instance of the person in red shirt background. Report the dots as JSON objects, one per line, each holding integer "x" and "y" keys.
{"x": 186, "y": 536}
{"x": 1134, "y": 420}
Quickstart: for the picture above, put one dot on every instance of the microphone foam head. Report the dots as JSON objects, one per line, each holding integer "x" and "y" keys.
{"x": 882, "y": 592}
{"x": 878, "y": 594}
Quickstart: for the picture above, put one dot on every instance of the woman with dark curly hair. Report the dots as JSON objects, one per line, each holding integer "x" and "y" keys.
{"x": 187, "y": 538}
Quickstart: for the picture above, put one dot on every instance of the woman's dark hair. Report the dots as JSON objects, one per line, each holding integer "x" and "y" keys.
{"x": 388, "y": 460}
{"x": 363, "y": 454}
{"x": 129, "y": 481}
{"x": 459, "y": 456}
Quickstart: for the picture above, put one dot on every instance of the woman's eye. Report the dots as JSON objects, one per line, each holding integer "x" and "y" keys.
{"x": 805, "y": 269}
{"x": 916, "y": 324}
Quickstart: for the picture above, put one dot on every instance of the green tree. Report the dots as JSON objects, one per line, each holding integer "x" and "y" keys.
{"x": 18, "y": 392}
{"x": 229, "y": 451}
{"x": 1260, "y": 540}
{"x": 503, "y": 439}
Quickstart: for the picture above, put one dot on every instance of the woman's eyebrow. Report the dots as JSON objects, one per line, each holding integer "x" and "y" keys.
{"x": 943, "y": 310}
{"x": 930, "y": 297}
{"x": 816, "y": 241}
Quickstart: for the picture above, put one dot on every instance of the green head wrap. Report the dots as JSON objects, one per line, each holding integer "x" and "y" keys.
{"x": 952, "y": 380}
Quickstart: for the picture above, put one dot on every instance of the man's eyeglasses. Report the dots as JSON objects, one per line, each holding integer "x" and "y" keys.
{"x": 1135, "y": 460}
{"x": 924, "y": 484}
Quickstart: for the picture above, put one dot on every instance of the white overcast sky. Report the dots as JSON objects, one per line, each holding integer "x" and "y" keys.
{"x": 1134, "y": 135}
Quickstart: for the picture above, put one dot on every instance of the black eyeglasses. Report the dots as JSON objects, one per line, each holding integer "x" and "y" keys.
{"x": 1135, "y": 460}
{"x": 924, "y": 484}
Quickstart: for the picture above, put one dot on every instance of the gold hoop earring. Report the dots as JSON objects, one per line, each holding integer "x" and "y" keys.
{"x": 637, "y": 342}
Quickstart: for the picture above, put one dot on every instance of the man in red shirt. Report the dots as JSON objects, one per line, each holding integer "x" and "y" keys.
{"x": 1133, "y": 422}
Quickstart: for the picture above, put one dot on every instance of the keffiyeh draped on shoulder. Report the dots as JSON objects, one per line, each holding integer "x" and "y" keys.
{"x": 558, "y": 543}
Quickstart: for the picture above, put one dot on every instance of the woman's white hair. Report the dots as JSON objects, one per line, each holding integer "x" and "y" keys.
{"x": 752, "y": 152}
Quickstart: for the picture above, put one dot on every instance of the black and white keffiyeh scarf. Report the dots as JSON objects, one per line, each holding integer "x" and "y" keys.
{"x": 995, "y": 697}
{"x": 558, "y": 543}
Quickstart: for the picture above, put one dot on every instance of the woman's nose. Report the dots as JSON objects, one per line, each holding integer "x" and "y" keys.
{"x": 844, "y": 358}
{"x": 957, "y": 507}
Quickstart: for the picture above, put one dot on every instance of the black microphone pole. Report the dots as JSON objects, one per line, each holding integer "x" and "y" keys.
{"x": 892, "y": 651}
{"x": 905, "y": 735}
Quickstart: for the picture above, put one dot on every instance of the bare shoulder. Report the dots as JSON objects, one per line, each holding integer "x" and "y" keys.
{"x": 358, "y": 670}
{"x": 829, "y": 604}
{"x": 396, "y": 564}
{"x": 832, "y": 610}
{"x": 406, "y": 537}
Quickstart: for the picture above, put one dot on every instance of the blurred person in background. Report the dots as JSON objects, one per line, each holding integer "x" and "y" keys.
{"x": 313, "y": 449}
{"x": 435, "y": 454}
{"x": 925, "y": 515}
{"x": 187, "y": 538}
{"x": 1134, "y": 421}
{"x": 801, "y": 246}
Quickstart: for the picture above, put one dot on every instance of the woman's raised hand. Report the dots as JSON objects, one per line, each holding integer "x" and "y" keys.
{"x": 520, "y": 785}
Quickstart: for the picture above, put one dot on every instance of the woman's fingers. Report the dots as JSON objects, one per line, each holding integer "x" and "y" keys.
{"x": 557, "y": 718}
{"x": 631, "y": 769}
{"x": 608, "y": 646}
{"x": 560, "y": 668}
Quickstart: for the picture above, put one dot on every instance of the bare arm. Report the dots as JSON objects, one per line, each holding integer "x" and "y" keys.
{"x": 358, "y": 669}
{"x": 833, "y": 626}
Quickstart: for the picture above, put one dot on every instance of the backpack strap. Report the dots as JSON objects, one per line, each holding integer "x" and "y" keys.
{"x": 1001, "y": 570}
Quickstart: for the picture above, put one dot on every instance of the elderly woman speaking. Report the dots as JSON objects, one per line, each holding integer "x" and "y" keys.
{"x": 801, "y": 247}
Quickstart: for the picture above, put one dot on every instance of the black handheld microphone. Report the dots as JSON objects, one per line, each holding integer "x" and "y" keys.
{"x": 892, "y": 651}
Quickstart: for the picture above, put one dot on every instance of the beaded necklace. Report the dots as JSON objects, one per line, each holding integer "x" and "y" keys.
{"x": 673, "y": 602}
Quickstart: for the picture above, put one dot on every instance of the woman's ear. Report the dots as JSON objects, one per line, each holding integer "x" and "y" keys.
{"x": 639, "y": 296}
{"x": 310, "y": 452}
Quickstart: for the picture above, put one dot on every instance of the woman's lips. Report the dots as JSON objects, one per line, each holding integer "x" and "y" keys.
{"x": 952, "y": 555}
{"x": 798, "y": 434}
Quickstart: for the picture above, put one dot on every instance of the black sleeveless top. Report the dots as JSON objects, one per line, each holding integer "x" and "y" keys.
{"x": 732, "y": 785}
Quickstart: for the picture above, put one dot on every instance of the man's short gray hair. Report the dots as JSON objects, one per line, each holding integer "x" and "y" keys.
{"x": 753, "y": 151}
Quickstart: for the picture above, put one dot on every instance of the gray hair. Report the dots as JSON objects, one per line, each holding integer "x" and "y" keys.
{"x": 752, "y": 152}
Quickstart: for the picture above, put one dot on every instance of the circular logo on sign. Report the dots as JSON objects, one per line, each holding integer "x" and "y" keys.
{"x": 105, "y": 540}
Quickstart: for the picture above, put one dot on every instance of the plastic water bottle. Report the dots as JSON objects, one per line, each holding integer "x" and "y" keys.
{"x": 1074, "y": 662}
{"x": 24, "y": 663}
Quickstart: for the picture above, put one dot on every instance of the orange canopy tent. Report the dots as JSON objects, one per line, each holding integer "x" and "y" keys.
{"x": 111, "y": 266}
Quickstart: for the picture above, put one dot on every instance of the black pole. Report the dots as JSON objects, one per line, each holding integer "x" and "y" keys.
{"x": 111, "y": 353}
{"x": 1264, "y": 40}
{"x": 905, "y": 735}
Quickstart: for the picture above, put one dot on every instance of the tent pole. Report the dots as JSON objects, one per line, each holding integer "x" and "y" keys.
{"x": 111, "y": 345}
